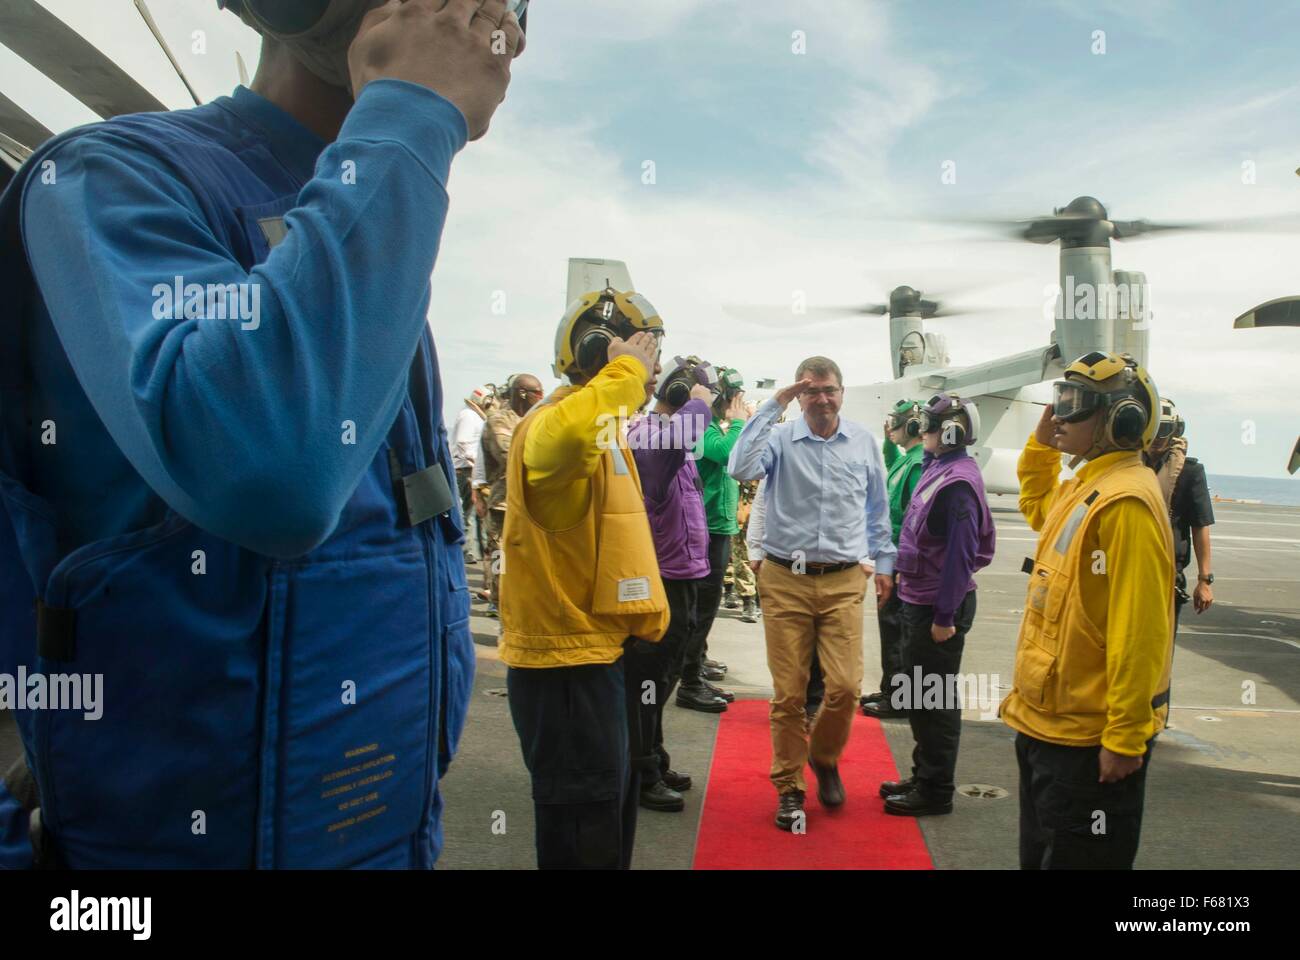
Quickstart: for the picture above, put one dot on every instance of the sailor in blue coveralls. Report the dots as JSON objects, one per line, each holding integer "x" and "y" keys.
{"x": 224, "y": 476}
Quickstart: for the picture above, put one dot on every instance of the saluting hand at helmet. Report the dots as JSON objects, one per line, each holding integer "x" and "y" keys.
{"x": 1045, "y": 431}
{"x": 460, "y": 49}
{"x": 736, "y": 408}
{"x": 641, "y": 345}
{"x": 785, "y": 395}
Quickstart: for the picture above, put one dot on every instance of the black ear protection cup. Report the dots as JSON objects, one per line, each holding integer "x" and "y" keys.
{"x": 906, "y": 416}
{"x": 677, "y": 393}
{"x": 955, "y": 430}
{"x": 1126, "y": 422}
{"x": 730, "y": 383}
{"x": 952, "y": 427}
{"x": 592, "y": 350}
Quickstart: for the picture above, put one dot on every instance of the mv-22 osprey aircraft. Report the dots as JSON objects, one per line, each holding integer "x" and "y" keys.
{"x": 1105, "y": 311}
{"x": 1097, "y": 308}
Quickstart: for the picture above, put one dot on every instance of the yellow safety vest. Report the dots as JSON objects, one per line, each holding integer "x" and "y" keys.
{"x": 1060, "y": 684}
{"x": 573, "y": 596}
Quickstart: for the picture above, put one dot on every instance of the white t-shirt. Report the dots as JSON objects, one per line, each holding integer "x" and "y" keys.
{"x": 478, "y": 476}
{"x": 465, "y": 437}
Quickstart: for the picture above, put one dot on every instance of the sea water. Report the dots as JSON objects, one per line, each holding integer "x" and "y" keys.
{"x": 1264, "y": 489}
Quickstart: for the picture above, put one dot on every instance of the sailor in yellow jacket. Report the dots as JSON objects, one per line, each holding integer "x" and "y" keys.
{"x": 1091, "y": 687}
{"x": 579, "y": 578}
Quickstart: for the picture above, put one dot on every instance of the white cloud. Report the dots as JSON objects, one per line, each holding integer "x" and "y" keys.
{"x": 537, "y": 192}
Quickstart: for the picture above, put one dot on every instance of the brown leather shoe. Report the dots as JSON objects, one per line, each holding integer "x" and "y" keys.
{"x": 830, "y": 788}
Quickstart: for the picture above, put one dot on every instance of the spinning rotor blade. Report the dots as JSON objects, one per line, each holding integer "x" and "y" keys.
{"x": 1128, "y": 229}
{"x": 773, "y": 316}
{"x": 1086, "y": 221}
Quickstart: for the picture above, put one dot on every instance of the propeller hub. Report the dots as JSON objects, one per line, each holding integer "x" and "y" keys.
{"x": 904, "y": 301}
{"x": 1086, "y": 207}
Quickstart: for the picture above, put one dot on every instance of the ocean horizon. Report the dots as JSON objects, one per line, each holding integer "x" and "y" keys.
{"x": 1280, "y": 492}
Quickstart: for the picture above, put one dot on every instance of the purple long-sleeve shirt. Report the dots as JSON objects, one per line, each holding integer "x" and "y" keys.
{"x": 670, "y": 482}
{"x": 955, "y": 516}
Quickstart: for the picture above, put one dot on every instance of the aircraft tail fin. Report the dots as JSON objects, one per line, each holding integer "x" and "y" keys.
{"x": 587, "y": 274}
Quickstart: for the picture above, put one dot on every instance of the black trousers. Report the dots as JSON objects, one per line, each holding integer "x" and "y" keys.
{"x": 709, "y": 599}
{"x": 653, "y": 670}
{"x": 936, "y": 730}
{"x": 573, "y": 729}
{"x": 889, "y": 619}
{"x": 1069, "y": 820}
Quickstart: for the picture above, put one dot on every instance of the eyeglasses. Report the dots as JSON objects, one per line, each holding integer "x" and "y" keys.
{"x": 822, "y": 392}
{"x": 532, "y": 391}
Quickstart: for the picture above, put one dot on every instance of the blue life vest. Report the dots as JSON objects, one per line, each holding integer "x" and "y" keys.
{"x": 230, "y": 735}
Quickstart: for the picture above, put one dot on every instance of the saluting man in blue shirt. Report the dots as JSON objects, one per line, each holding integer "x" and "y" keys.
{"x": 826, "y": 528}
{"x": 225, "y": 477}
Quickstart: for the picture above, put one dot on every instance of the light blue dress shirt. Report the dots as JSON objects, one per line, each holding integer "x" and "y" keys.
{"x": 824, "y": 498}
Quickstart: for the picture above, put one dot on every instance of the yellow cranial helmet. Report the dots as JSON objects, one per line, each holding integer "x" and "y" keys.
{"x": 592, "y": 322}
{"x": 1115, "y": 384}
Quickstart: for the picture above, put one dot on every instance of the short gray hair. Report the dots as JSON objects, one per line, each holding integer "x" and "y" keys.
{"x": 820, "y": 367}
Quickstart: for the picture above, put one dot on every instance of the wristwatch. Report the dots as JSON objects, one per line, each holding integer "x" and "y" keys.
{"x": 1208, "y": 578}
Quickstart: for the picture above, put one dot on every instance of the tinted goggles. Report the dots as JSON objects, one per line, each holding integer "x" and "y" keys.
{"x": 1071, "y": 403}
{"x": 939, "y": 407}
{"x": 1169, "y": 429}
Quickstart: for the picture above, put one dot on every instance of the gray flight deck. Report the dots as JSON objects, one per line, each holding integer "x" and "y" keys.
{"x": 1224, "y": 786}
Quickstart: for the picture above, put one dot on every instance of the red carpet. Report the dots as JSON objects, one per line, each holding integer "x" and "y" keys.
{"x": 736, "y": 828}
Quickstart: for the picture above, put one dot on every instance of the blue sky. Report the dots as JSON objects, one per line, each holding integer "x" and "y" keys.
{"x": 778, "y": 172}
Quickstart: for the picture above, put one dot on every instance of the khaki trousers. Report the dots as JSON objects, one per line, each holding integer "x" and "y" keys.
{"x": 803, "y": 612}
